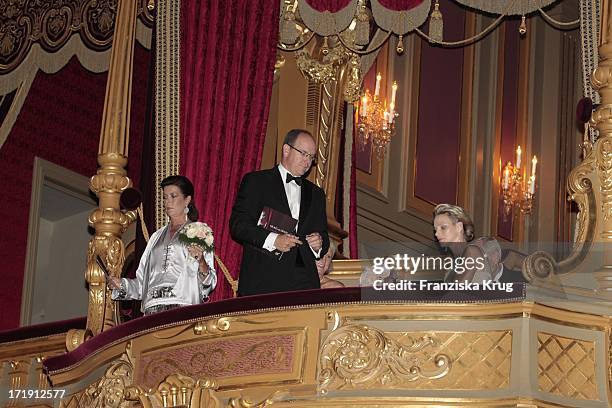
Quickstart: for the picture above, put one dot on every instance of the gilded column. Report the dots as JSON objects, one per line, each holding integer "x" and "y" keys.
{"x": 602, "y": 150}
{"x": 111, "y": 179}
{"x": 332, "y": 81}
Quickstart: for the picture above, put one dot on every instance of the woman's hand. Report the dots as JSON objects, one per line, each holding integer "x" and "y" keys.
{"x": 195, "y": 252}
{"x": 113, "y": 283}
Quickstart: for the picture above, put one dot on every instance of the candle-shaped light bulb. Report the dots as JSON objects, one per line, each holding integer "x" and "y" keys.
{"x": 534, "y": 162}
{"x": 378, "y": 78}
{"x": 393, "y": 92}
{"x": 364, "y": 106}
{"x": 532, "y": 185}
{"x": 518, "y": 157}
{"x": 506, "y": 177}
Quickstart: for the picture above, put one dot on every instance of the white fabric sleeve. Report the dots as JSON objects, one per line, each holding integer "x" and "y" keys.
{"x": 133, "y": 287}
{"x": 269, "y": 242}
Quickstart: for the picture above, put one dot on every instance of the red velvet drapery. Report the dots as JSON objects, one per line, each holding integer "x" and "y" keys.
{"x": 332, "y": 6}
{"x": 228, "y": 50}
{"x": 399, "y": 5}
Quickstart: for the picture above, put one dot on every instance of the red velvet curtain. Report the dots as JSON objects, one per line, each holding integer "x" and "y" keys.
{"x": 398, "y": 5}
{"x": 332, "y": 6}
{"x": 228, "y": 54}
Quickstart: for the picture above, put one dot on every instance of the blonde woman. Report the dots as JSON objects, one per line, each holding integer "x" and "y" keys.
{"x": 475, "y": 260}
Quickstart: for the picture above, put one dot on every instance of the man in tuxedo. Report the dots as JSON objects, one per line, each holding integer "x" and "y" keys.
{"x": 274, "y": 262}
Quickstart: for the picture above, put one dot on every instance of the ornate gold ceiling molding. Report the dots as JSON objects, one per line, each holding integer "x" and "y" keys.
{"x": 42, "y": 45}
{"x": 46, "y": 35}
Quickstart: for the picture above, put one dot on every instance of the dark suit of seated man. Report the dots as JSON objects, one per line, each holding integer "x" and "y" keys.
{"x": 274, "y": 262}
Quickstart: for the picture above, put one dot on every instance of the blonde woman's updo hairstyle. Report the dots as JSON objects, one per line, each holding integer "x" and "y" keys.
{"x": 457, "y": 214}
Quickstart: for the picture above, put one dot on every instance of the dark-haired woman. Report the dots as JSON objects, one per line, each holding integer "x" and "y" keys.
{"x": 170, "y": 274}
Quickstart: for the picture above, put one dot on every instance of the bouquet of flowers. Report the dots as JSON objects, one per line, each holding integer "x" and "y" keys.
{"x": 198, "y": 234}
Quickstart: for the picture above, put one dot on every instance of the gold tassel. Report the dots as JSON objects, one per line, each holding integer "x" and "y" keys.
{"x": 289, "y": 34}
{"x": 362, "y": 27}
{"x": 523, "y": 26}
{"x": 436, "y": 24}
{"x": 400, "y": 45}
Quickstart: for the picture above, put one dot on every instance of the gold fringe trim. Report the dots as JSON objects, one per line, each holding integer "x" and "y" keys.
{"x": 167, "y": 98}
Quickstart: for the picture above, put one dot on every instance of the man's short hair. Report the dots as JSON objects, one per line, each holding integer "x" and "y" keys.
{"x": 293, "y": 134}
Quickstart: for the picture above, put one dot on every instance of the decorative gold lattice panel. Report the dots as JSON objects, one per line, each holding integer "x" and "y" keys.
{"x": 363, "y": 357}
{"x": 566, "y": 366}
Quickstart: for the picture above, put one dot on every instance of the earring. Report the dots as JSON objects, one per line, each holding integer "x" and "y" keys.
{"x": 186, "y": 210}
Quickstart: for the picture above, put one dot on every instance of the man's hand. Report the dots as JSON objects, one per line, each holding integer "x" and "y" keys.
{"x": 285, "y": 242}
{"x": 315, "y": 241}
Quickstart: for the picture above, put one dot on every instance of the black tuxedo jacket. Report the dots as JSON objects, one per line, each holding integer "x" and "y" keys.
{"x": 261, "y": 271}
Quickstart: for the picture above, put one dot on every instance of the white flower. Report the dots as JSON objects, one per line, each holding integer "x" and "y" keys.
{"x": 191, "y": 233}
{"x": 209, "y": 239}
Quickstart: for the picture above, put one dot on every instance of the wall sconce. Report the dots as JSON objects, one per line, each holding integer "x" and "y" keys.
{"x": 375, "y": 121}
{"x": 515, "y": 193}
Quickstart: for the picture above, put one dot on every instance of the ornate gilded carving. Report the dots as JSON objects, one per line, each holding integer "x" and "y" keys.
{"x": 17, "y": 373}
{"x": 604, "y": 167}
{"x": 50, "y": 24}
{"x": 111, "y": 179}
{"x": 244, "y": 402}
{"x": 331, "y": 68}
{"x": 113, "y": 390}
{"x": 610, "y": 356}
{"x": 212, "y": 326}
{"x": 364, "y": 357}
{"x": 542, "y": 266}
{"x": 110, "y": 248}
{"x": 313, "y": 69}
{"x": 76, "y": 337}
{"x": 579, "y": 186}
{"x": 324, "y": 134}
{"x": 353, "y": 80}
{"x": 567, "y": 366}
{"x": 179, "y": 390}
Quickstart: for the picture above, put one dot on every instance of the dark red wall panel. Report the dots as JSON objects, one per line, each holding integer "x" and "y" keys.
{"x": 59, "y": 122}
{"x": 439, "y": 118}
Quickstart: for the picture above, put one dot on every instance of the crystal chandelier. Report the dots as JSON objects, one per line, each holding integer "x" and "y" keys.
{"x": 514, "y": 191}
{"x": 376, "y": 122}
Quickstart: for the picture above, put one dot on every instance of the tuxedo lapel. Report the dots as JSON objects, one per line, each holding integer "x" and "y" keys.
{"x": 306, "y": 198}
{"x": 279, "y": 191}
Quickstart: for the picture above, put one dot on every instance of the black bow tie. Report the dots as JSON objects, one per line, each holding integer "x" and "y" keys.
{"x": 290, "y": 178}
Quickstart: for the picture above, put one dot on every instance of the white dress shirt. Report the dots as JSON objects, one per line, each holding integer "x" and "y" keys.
{"x": 294, "y": 197}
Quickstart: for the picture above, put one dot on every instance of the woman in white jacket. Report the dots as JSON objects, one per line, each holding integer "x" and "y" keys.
{"x": 170, "y": 273}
